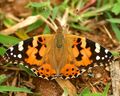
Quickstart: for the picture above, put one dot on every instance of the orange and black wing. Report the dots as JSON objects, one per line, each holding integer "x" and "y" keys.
{"x": 33, "y": 54}
{"x": 83, "y": 54}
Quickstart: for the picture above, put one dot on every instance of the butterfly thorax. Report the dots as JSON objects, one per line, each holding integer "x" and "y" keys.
{"x": 59, "y": 40}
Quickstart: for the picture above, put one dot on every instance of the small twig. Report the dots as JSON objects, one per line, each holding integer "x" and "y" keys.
{"x": 14, "y": 82}
{"x": 48, "y": 23}
{"x": 10, "y": 68}
{"x": 67, "y": 84}
{"x": 53, "y": 24}
{"x": 89, "y": 3}
{"x": 108, "y": 33}
{"x": 93, "y": 88}
{"x": 64, "y": 18}
{"x": 9, "y": 15}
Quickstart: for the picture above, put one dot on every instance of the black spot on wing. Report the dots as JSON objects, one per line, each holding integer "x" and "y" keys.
{"x": 78, "y": 40}
{"x": 38, "y": 57}
{"x": 28, "y": 42}
{"x": 90, "y": 44}
{"x": 79, "y": 57}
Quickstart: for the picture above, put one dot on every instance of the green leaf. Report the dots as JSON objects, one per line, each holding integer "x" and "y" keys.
{"x": 96, "y": 12}
{"x": 2, "y": 51}
{"x": 45, "y": 13}
{"x": 46, "y": 30}
{"x": 55, "y": 12}
{"x": 65, "y": 93}
{"x": 8, "y": 40}
{"x": 34, "y": 26}
{"x": 85, "y": 92}
{"x": 114, "y": 53}
{"x": 8, "y": 22}
{"x": 115, "y": 27}
{"x": 63, "y": 5}
{"x": 42, "y": 8}
{"x": 27, "y": 70}
{"x": 116, "y": 30}
{"x": 106, "y": 90}
{"x": 38, "y": 5}
{"x": 116, "y": 8}
{"x": 96, "y": 94}
{"x": 114, "y": 20}
{"x": 13, "y": 89}
{"x": 78, "y": 27}
{"x": 2, "y": 78}
{"x": 118, "y": 1}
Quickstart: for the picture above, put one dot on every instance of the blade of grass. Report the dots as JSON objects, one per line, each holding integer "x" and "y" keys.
{"x": 78, "y": 27}
{"x": 2, "y": 51}
{"x": 8, "y": 22}
{"x": 114, "y": 20}
{"x": 46, "y": 30}
{"x": 13, "y": 89}
{"x": 65, "y": 93}
{"x": 96, "y": 12}
{"x": 106, "y": 90}
{"x": 38, "y": 5}
{"x": 8, "y": 40}
{"x": 85, "y": 92}
{"x": 114, "y": 53}
{"x": 2, "y": 78}
{"x": 22, "y": 34}
{"x": 55, "y": 12}
{"x": 34, "y": 26}
{"x": 27, "y": 70}
{"x": 114, "y": 27}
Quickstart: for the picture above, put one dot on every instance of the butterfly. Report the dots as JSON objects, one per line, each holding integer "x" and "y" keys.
{"x": 58, "y": 55}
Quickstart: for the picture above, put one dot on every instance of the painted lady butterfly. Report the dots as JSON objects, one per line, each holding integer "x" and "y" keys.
{"x": 59, "y": 55}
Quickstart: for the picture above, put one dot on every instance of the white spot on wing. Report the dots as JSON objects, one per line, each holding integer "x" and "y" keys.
{"x": 11, "y": 53}
{"x": 103, "y": 58}
{"x": 11, "y": 48}
{"x": 21, "y": 63}
{"x": 14, "y": 55}
{"x": 19, "y": 56}
{"x": 20, "y": 46}
{"x": 97, "y": 49}
{"x": 83, "y": 70}
{"x": 97, "y": 57}
{"x": 106, "y": 56}
{"x": 106, "y": 51}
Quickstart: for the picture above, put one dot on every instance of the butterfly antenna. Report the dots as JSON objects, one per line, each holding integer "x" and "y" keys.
{"x": 53, "y": 23}
{"x": 49, "y": 23}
